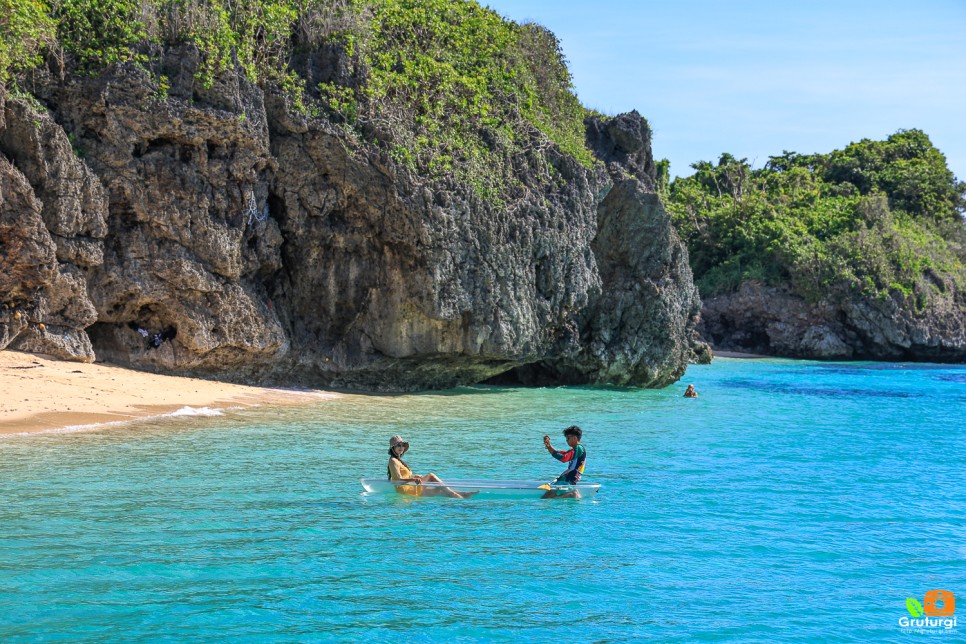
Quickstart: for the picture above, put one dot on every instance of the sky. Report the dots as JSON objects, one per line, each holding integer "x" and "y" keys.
{"x": 756, "y": 78}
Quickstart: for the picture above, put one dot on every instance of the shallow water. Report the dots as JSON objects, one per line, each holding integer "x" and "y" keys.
{"x": 792, "y": 501}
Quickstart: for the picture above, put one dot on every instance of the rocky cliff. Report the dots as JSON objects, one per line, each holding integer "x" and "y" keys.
{"x": 859, "y": 253}
{"x": 775, "y": 321}
{"x": 218, "y": 233}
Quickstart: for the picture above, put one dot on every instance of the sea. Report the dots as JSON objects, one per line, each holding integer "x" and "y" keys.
{"x": 790, "y": 502}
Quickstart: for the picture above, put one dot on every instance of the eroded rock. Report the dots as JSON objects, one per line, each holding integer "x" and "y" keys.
{"x": 216, "y": 233}
{"x": 774, "y": 321}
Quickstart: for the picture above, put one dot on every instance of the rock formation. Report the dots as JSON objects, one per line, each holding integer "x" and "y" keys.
{"x": 217, "y": 233}
{"x": 775, "y": 321}
{"x": 52, "y": 223}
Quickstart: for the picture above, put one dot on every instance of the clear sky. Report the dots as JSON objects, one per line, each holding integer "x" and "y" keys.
{"x": 755, "y": 78}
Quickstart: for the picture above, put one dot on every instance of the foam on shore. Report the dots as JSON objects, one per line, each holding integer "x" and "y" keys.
{"x": 45, "y": 395}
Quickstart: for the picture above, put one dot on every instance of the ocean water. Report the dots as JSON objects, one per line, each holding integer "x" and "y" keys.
{"x": 792, "y": 501}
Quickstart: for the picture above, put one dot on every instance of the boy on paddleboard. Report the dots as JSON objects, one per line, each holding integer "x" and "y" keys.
{"x": 575, "y": 458}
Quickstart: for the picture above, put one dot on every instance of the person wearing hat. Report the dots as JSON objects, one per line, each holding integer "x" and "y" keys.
{"x": 399, "y": 471}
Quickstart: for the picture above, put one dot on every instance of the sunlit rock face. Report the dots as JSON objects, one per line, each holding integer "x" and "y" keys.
{"x": 216, "y": 233}
{"x": 52, "y": 226}
{"x": 775, "y": 321}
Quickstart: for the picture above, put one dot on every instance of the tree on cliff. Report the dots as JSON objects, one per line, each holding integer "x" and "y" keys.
{"x": 875, "y": 219}
{"x": 26, "y": 30}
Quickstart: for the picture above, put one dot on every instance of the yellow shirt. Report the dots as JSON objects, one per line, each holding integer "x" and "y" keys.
{"x": 398, "y": 471}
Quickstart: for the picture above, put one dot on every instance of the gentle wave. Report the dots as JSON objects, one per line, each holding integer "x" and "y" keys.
{"x": 183, "y": 412}
{"x": 197, "y": 411}
{"x": 71, "y": 429}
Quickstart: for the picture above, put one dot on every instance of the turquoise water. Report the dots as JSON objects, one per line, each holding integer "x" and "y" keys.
{"x": 792, "y": 501}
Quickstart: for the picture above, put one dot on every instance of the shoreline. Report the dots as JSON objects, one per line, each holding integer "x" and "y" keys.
{"x": 737, "y": 354}
{"x": 42, "y": 395}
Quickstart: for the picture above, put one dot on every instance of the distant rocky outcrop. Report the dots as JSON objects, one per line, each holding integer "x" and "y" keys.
{"x": 776, "y": 321}
{"x": 254, "y": 244}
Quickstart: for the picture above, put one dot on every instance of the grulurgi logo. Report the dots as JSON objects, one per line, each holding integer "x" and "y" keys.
{"x": 936, "y": 613}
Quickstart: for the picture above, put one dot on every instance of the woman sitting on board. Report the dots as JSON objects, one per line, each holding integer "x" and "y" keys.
{"x": 399, "y": 471}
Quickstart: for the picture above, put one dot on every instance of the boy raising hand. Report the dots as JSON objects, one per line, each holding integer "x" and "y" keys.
{"x": 575, "y": 457}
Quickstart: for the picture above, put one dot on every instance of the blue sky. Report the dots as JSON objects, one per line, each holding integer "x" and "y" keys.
{"x": 756, "y": 78}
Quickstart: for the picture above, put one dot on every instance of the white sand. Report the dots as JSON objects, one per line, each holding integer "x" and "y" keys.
{"x": 40, "y": 394}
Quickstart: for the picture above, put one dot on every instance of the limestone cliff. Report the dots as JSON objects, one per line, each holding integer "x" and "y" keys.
{"x": 253, "y": 244}
{"x": 775, "y": 321}
{"x": 52, "y": 223}
{"x": 859, "y": 253}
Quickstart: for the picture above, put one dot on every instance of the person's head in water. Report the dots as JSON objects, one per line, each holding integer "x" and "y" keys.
{"x": 573, "y": 434}
{"x": 690, "y": 392}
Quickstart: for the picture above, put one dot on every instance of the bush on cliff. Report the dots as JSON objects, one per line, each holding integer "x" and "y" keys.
{"x": 446, "y": 87}
{"x": 877, "y": 218}
{"x": 26, "y": 30}
{"x": 453, "y": 85}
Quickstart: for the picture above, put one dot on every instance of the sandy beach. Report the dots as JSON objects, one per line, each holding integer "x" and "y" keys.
{"x": 39, "y": 394}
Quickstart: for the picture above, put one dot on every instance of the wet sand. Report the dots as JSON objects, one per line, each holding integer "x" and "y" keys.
{"x": 40, "y": 394}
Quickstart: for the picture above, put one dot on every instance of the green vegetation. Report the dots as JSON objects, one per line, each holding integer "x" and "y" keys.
{"x": 99, "y": 32}
{"x": 446, "y": 87}
{"x": 453, "y": 85}
{"x": 878, "y": 218}
{"x": 26, "y": 30}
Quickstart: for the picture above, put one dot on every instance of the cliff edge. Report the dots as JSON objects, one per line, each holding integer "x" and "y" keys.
{"x": 855, "y": 254}
{"x": 217, "y": 232}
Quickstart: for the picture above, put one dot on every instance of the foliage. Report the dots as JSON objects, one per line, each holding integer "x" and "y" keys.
{"x": 446, "y": 87}
{"x": 878, "y": 217}
{"x": 452, "y": 88}
{"x": 556, "y": 111}
{"x": 663, "y": 174}
{"x": 25, "y": 31}
{"x": 207, "y": 25}
{"x": 99, "y": 32}
{"x": 906, "y": 167}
